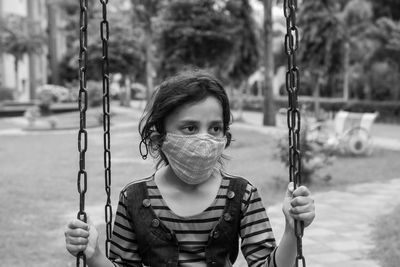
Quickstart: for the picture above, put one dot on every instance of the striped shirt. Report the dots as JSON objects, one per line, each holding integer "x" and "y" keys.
{"x": 192, "y": 232}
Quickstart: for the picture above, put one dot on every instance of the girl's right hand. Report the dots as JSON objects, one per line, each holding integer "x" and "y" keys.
{"x": 81, "y": 236}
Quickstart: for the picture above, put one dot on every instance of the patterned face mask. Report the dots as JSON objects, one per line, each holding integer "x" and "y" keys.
{"x": 193, "y": 158}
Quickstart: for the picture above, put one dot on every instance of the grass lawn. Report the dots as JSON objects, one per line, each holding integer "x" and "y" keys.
{"x": 38, "y": 182}
{"x": 386, "y": 236}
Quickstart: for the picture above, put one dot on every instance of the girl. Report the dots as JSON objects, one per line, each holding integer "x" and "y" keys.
{"x": 190, "y": 212}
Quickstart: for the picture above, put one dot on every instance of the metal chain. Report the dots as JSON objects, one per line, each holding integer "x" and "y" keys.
{"x": 293, "y": 113}
{"x": 104, "y": 33}
{"x": 83, "y": 103}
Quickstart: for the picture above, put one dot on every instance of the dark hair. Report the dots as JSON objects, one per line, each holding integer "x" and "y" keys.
{"x": 183, "y": 88}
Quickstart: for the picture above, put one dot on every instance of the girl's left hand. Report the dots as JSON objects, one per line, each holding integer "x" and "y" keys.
{"x": 298, "y": 205}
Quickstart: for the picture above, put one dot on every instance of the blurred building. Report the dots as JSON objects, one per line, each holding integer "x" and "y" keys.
{"x": 34, "y": 69}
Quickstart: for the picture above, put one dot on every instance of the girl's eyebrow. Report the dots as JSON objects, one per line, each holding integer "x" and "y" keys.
{"x": 194, "y": 121}
{"x": 217, "y": 122}
{"x": 188, "y": 122}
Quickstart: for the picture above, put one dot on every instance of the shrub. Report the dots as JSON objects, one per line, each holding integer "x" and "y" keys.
{"x": 95, "y": 93}
{"x": 54, "y": 92}
{"x": 313, "y": 156}
{"x": 45, "y": 100}
{"x": 383, "y": 79}
{"x": 48, "y": 94}
{"x": 389, "y": 111}
{"x": 6, "y": 94}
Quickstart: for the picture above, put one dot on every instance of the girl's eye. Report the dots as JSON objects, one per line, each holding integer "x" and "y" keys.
{"x": 189, "y": 129}
{"x": 216, "y": 129}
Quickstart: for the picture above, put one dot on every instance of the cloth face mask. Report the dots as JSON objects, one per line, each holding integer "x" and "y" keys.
{"x": 193, "y": 157}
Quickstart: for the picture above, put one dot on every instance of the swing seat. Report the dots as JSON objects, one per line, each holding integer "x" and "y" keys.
{"x": 350, "y": 133}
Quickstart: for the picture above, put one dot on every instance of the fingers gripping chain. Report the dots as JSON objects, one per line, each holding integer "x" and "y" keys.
{"x": 104, "y": 34}
{"x": 83, "y": 104}
{"x": 82, "y": 134}
{"x": 293, "y": 113}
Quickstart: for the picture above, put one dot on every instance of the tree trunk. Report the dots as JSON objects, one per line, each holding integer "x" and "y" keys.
{"x": 2, "y": 78}
{"x": 32, "y": 75}
{"x": 396, "y": 80}
{"x": 367, "y": 90}
{"x": 149, "y": 64}
{"x": 2, "y": 72}
{"x": 17, "y": 89}
{"x": 268, "y": 105}
{"x": 125, "y": 91}
{"x": 346, "y": 64}
{"x": 128, "y": 91}
{"x": 52, "y": 26}
{"x": 316, "y": 94}
{"x": 33, "y": 58}
{"x": 242, "y": 95}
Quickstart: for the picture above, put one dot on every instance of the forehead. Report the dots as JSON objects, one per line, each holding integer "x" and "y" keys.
{"x": 209, "y": 108}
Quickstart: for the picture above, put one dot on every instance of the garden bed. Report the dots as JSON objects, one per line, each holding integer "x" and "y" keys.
{"x": 15, "y": 109}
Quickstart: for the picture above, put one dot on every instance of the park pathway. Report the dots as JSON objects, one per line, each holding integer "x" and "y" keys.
{"x": 341, "y": 232}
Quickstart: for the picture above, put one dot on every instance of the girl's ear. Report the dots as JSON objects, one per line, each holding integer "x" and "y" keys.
{"x": 157, "y": 139}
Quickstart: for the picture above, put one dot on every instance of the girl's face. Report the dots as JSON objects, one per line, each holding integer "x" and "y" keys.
{"x": 197, "y": 118}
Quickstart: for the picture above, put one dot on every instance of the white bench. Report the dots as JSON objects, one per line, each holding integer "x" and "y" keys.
{"x": 349, "y": 134}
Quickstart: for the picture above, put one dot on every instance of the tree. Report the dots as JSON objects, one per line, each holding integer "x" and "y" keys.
{"x": 215, "y": 35}
{"x": 144, "y": 14}
{"x": 387, "y": 8}
{"x": 353, "y": 21}
{"x": 333, "y": 40}
{"x": 385, "y": 36}
{"x": 17, "y": 39}
{"x": 316, "y": 49}
{"x": 126, "y": 55}
{"x": 385, "y": 57}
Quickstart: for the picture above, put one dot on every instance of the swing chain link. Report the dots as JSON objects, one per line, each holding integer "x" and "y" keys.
{"x": 293, "y": 113}
{"x": 82, "y": 134}
{"x": 104, "y": 34}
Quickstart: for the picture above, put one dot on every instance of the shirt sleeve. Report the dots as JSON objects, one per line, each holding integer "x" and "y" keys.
{"x": 123, "y": 246}
{"x": 258, "y": 241}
